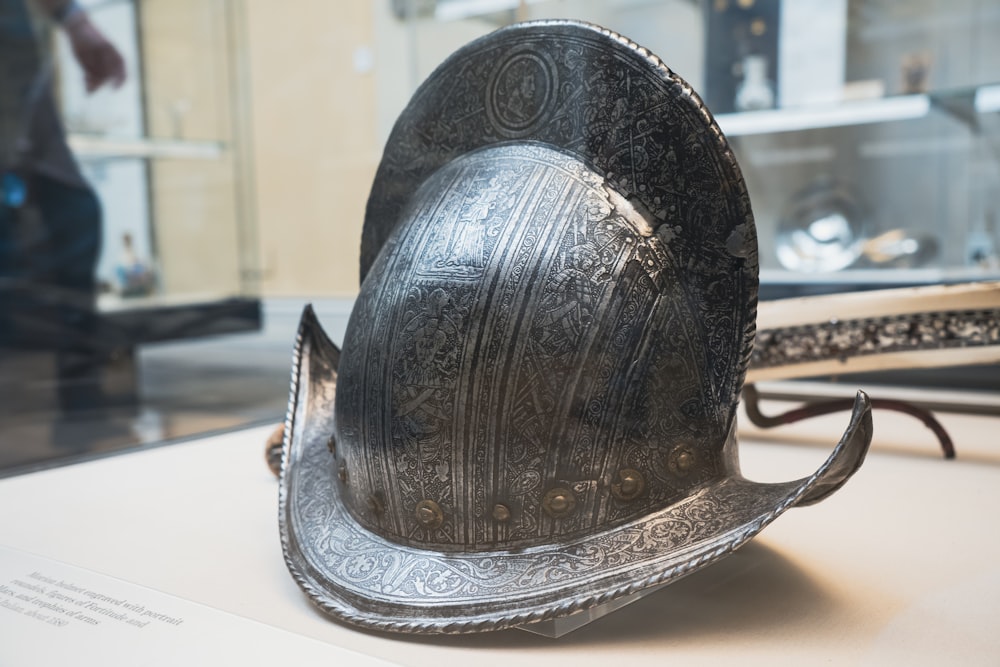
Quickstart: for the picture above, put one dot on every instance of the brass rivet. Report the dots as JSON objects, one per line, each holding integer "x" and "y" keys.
{"x": 681, "y": 460}
{"x": 630, "y": 484}
{"x": 331, "y": 445}
{"x": 429, "y": 514}
{"x": 342, "y": 473}
{"x": 559, "y": 502}
{"x": 501, "y": 513}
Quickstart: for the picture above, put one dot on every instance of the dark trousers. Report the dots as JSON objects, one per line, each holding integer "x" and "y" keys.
{"x": 48, "y": 255}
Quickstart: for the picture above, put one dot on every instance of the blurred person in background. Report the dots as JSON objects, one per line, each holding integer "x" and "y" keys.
{"x": 50, "y": 217}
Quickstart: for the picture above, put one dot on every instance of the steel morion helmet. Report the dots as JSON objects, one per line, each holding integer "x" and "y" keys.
{"x": 534, "y": 411}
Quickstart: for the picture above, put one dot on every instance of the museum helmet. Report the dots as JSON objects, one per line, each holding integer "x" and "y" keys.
{"x": 534, "y": 412}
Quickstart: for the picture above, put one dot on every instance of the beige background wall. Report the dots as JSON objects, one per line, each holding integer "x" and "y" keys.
{"x": 303, "y": 96}
{"x": 328, "y": 81}
{"x": 314, "y": 141}
{"x": 187, "y": 97}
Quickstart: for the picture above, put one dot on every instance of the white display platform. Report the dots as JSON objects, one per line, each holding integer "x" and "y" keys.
{"x": 902, "y": 566}
{"x": 58, "y": 614}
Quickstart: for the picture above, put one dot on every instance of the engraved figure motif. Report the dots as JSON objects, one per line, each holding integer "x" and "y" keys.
{"x": 568, "y": 305}
{"x": 467, "y": 246}
{"x": 432, "y": 335}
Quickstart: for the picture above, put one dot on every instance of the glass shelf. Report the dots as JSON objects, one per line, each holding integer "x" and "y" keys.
{"x": 850, "y": 113}
{"x": 87, "y": 146}
{"x": 979, "y": 100}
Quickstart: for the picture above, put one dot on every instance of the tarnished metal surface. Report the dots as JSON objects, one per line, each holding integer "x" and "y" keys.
{"x": 535, "y": 408}
{"x": 593, "y": 94}
{"x": 527, "y": 330}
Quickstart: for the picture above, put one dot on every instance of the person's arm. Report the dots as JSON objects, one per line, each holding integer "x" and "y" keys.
{"x": 100, "y": 60}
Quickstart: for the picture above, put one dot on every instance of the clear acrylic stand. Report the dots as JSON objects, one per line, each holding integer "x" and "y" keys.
{"x": 558, "y": 627}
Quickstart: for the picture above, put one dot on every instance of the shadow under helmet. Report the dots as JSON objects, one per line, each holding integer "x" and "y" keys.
{"x": 535, "y": 408}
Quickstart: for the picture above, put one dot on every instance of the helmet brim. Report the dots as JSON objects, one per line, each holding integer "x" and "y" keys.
{"x": 358, "y": 577}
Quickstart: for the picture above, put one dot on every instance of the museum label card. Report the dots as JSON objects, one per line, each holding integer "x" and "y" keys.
{"x": 52, "y": 613}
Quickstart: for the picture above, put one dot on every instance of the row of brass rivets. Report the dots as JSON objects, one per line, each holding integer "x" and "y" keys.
{"x": 429, "y": 514}
{"x": 681, "y": 460}
{"x": 559, "y": 502}
{"x": 501, "y": 513}
{"x": 629, "y": 485}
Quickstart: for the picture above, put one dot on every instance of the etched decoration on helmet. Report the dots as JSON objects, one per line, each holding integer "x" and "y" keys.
{"x": 534, "y": 410}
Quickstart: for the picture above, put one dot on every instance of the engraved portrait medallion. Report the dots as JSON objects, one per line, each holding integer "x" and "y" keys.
{"x": 520, "y": 92}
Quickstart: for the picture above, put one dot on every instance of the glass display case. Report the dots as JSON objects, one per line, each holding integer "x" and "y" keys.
{"x": 167, "y": 154}
{"x": 867, "y": 130}
{"x": 234, "y": 166}
{"x": 889, "y": 174}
